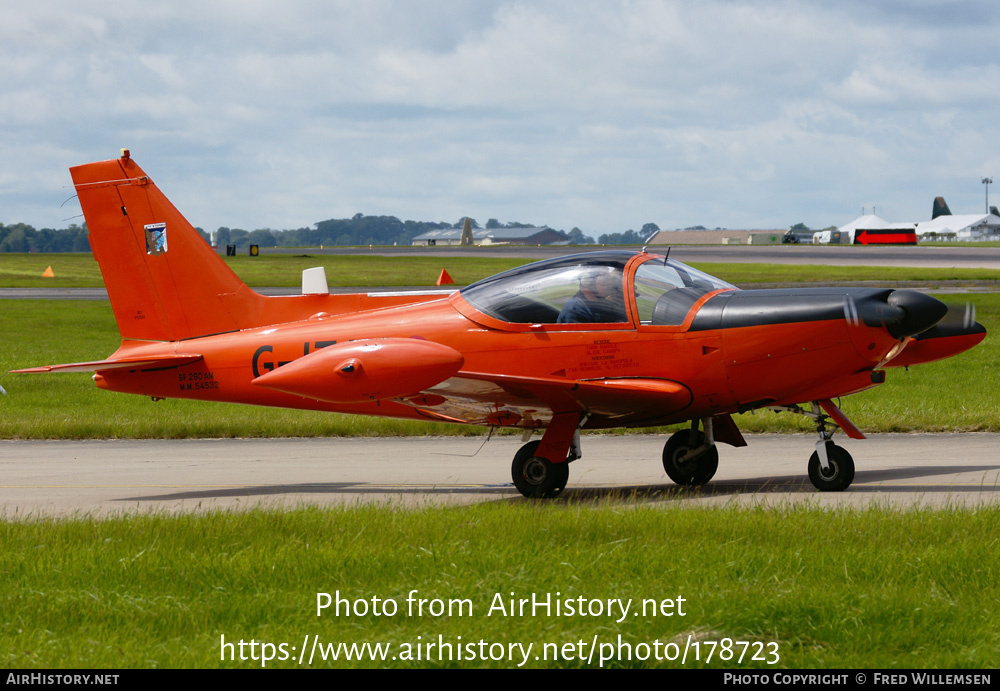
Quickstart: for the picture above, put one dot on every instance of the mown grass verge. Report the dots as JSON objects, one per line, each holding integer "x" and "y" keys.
{"x": 281, "y": 270}
{"x": 873, "y": 588}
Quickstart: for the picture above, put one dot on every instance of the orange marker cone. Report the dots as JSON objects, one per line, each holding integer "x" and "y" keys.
{"x": 49, "y": 273}
{"x": 444, "y": 278}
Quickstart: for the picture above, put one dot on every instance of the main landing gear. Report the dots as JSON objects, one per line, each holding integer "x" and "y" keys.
{"x": 691, "y": 457}
{"x": 533, "y": 471}
{"x": 536, "y": 477}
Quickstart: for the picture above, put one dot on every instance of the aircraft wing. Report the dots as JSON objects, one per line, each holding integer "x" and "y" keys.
{"x": 134, "y": 362}
{"x": 507, "y": 400}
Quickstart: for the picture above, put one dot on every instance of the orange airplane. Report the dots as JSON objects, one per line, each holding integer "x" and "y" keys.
{"x": 590, "y": 341}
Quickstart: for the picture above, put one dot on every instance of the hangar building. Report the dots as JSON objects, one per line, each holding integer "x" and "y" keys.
{"x": 716, "y": 237}
{"x": 491, "y": 236}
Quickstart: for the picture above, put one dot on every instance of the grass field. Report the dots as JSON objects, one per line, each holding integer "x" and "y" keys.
{"x": 280, "y": 270}
{"x": 867, "y": 589}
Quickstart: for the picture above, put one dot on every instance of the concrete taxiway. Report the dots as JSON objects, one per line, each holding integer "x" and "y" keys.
{"x": 76, "y": 478}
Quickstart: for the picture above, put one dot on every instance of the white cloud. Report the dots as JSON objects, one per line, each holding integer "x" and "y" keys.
{"x": 598, "y": 114}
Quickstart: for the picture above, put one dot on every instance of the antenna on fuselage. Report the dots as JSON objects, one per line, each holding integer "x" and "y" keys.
{"x": 648, "y": 241}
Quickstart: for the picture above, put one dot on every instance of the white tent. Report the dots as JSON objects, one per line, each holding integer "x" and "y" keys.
{"x": 961, "y": 227}
{"x": 866, "y": 222}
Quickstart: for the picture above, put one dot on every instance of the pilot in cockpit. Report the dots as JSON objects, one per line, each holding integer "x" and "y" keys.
{"x": 599, "y": 300}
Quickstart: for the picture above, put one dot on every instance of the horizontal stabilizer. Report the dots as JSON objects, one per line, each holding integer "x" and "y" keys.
{"x": 134, "y": 363}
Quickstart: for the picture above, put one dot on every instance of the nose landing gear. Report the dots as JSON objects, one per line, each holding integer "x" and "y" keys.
{"x": 831, "y": 467}
{"x": 837, "y": 473}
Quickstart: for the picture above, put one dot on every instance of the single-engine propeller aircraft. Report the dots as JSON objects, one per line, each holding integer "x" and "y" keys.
{"x": 590, "y": 341}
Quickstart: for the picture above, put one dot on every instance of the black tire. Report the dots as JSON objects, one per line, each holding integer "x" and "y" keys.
{"x": 841, "y": 473}
{"x": 695, "y": 471}
{"x": 536, "y": 477}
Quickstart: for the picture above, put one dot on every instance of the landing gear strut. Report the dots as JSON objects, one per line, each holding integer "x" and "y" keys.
{"x": 831, "y": 468}
{"x": 690, "y": 457}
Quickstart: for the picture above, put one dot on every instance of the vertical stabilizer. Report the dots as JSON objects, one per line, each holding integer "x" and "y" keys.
{"x": 467, "y": 232}
{"x": 940, "y": 208}
{"x": 164, "y": 281}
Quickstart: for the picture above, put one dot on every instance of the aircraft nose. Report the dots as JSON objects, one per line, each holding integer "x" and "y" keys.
{"x": 902, "y": 312}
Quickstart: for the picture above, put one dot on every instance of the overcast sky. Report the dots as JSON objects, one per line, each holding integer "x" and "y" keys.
{"x": 598, "y": 114}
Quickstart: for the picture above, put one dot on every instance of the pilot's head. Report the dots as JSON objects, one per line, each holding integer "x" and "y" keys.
{"x": 603, "y": 282}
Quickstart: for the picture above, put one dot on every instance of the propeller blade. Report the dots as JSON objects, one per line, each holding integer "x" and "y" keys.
{"x": 959, "y": 315}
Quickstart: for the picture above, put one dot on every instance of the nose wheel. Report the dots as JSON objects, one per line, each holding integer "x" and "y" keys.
{"x": 536, "y": 477}
{"x": 837, "y": 475}
{"x": 831, "y": 468}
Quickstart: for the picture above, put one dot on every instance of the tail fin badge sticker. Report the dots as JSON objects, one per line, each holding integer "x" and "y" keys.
{"x": 156, "y": 238}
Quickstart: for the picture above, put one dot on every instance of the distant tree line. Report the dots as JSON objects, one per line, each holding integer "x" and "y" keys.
{"x": 19, "y": 237}
{"x": 364, "y": 230}
{"x": 357, "y": 230}
{"x": 630, "y": 237}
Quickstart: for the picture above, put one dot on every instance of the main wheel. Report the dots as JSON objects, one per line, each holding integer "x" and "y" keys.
{"x": 694, "y": 471}
{"x": 536, "y": 477}
{"x": 840, "y": 474}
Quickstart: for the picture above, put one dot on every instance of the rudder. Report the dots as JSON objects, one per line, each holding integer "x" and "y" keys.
{"x": 164, "y": 281}
{"x": 939, "y": 208}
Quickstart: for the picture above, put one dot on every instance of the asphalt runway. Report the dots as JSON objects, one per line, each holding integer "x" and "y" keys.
{"x": 100, "y": 478}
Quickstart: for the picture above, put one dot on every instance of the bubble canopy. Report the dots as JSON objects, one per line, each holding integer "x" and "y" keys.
{"x": 594, "y": 287}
